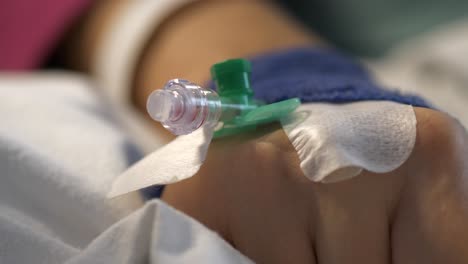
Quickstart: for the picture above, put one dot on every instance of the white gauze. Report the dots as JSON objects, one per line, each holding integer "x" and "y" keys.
{"x": 335, "y": 142}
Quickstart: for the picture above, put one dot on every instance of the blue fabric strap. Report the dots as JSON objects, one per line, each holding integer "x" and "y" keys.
{"x": 318, "y": 75}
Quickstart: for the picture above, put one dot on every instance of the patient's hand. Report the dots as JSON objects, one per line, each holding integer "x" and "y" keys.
{"x": 252, "y": 191}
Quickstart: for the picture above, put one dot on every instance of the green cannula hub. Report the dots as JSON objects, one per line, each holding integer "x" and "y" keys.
{"x": 232, "y": 78}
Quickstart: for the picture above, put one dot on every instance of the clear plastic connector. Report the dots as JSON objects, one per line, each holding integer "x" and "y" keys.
{"x": 182, "y": 106}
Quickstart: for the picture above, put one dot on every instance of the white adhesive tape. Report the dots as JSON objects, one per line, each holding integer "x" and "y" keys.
{"x": 176, "y": 161}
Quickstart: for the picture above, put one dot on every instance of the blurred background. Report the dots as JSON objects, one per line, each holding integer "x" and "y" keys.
{"x": 365, "y": 28}
{"x": 371, "y": 27}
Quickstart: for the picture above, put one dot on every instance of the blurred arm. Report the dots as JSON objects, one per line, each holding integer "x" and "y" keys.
{"x": 190, "y": 40}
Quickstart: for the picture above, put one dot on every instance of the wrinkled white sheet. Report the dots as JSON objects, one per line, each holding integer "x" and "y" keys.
{"x": 59, "y": 151}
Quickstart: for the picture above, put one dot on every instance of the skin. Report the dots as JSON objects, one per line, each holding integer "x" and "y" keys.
{"x": 251, "y": 189}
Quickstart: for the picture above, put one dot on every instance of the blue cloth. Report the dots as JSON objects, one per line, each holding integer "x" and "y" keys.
{"x": 152, "y": 192}
{"x": 313, "y": 75}
{"x": 316, "y": 75}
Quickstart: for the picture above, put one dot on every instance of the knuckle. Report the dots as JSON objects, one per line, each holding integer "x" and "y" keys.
{"x": 437, "y": 131}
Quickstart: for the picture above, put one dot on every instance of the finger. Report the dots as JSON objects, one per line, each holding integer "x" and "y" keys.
{"x": 431, "y": 220}
{"x": 272, "y": 214}
{"x": 352, "y": 219}
{"x": 272, "y": 238}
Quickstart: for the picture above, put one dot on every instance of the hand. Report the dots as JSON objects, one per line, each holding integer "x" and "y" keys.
{"x": 252, "y": 191}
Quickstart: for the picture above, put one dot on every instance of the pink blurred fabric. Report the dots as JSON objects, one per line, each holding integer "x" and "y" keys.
{"x": 30, "y": 29}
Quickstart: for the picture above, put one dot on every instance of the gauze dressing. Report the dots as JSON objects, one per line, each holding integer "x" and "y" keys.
{"x": 336, "y": 142}
{"x": 333, "y": 142}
